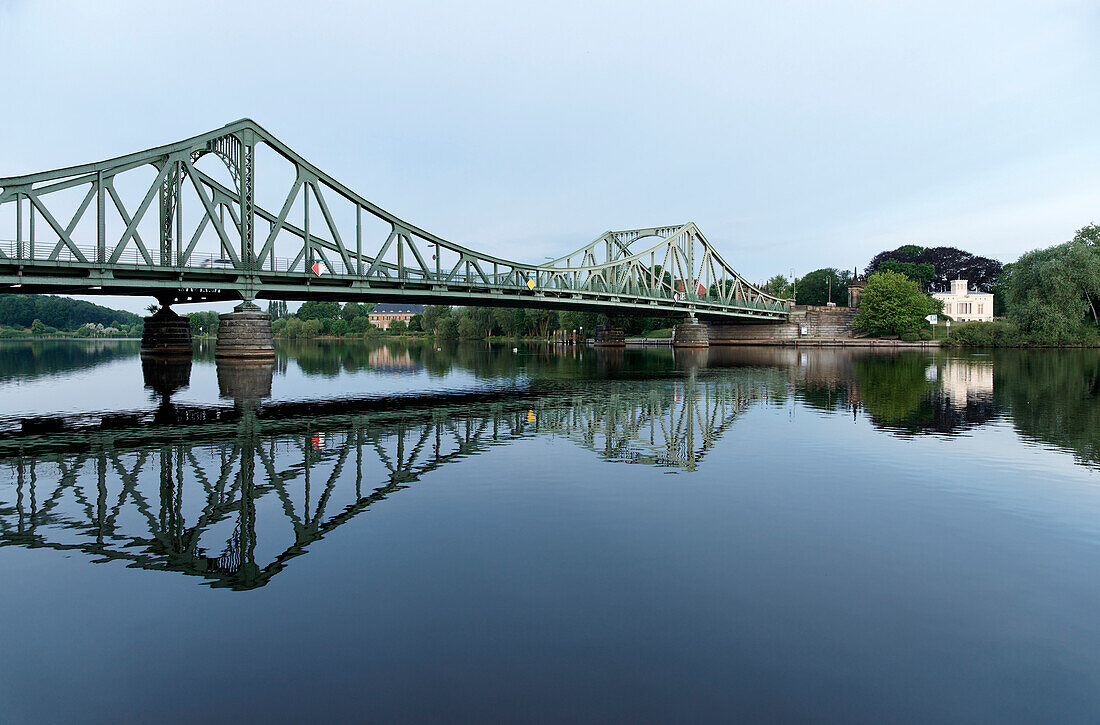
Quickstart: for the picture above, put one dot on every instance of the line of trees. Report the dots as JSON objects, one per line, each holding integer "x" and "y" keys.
{"x": 51, "y": 316}
{"x": 331, "y": 319}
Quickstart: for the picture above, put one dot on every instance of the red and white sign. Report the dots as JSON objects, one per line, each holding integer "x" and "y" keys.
{"x": 318, "y": 268}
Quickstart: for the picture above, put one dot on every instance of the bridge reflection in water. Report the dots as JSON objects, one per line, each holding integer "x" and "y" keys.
{"x": 233, "y": 495}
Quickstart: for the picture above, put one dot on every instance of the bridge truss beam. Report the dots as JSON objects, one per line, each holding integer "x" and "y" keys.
{"x": 95, "y": 229}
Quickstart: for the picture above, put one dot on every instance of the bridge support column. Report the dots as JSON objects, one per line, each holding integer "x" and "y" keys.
{"x": 691, "y": 333}
{"x": 166, "y": 334}
{"x": 610, "y": 336}
{"x": 245, "y": 333}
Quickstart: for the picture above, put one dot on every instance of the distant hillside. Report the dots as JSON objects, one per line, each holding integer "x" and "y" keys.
{"x": 60, "y": 312}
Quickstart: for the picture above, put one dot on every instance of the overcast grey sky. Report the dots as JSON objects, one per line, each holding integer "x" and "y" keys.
{"x": 797, "y": 135}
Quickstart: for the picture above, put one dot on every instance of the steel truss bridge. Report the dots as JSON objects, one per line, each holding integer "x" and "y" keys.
{"x": 236, "y": 214}
{"x": 251, "y": 489}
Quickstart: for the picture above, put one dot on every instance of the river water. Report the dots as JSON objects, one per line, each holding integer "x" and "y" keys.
{"x": 443, "y": 532}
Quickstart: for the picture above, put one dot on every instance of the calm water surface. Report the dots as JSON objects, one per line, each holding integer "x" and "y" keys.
{"x": 441, "y": 532}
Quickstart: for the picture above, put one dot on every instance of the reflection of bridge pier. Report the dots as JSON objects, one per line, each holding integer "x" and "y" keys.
{"x": 246, "y": 382}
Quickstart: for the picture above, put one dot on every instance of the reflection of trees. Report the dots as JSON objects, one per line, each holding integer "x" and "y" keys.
{"x": 894, "y": 390}
{"x": 234, "y": 495}
{"x": 1053, "y": 397}
{"x": 34, "y": 358}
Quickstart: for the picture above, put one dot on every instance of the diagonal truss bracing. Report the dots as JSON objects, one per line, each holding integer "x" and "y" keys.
{"x": 210, "y": 236}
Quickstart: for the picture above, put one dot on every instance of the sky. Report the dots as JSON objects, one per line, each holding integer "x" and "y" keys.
{"x": 797, "y": 135}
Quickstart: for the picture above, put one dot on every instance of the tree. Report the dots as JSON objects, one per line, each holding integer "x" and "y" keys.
{"x": 447, "y": 327}
{"x": 397, "y": 327}
{"x": 948, "y": 263}
{"x": 311, "y": 328}
{"x": 779, "y": 286}
{"x": 339, "y": 327}
{"x": 818, "y": 286}
{"x": 277, "y": 309}
{"x": 504, "y": 319}
{"x": 920, "y": 272}
{"x": 433, "y": 315}
{"x": 1053, "y": 294}
{"x": 416, "y": 323}
{"x": 350, "y": 311}
{"x": 318, "y": 311}
{"x": 892, "y": 304}
{"x": 293, "y": 327}
{"x": 468, "y": 328}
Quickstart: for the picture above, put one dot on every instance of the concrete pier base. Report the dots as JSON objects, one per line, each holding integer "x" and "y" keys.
{"x": 166, "y": 334}
{"x": 691, "y": 334}
{"x": 245, "y": 334}
{"x": 610, "y": 336}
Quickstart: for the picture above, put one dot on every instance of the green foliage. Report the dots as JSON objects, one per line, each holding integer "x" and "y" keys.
{"x": 998, "y": 333}
{"x": 277, "y": 309}
{"x": 312, "y": 328}
{"x": 397, "y": 327}
{"x": 1089, "y": 235}
{"x": 433, "y": 315}
{"x": 1053, "y": 294}
{"x": 779, "y": 286}
{"x": 40, "y": 328}
{"x": 469, "y": 329}
{"x": 921, "y": 272}
{"x": 447, "y": 328}
{"x": 293, "y": 328}
{"x": 892, "y": 304}
{"x": 416, "y": 323}
{"x": 203, "y": 323}
{"x": 818, "y": 286}
{"x": 62, "y": 313}
{"x": 318, "y": 311}
{"x": 339, "y": 327}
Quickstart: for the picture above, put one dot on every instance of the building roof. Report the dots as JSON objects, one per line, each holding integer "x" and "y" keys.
{"x": 387, "y": 308}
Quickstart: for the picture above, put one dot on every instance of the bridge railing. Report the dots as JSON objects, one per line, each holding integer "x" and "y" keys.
{"x": 44, "y": 252}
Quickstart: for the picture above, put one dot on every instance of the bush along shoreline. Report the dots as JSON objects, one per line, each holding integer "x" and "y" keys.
{"x": 1005, "y": 333}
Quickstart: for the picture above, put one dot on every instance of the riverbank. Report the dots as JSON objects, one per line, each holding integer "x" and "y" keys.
{"x": 799, "y": 342}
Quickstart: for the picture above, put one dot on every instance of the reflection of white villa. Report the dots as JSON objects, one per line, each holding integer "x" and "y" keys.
{"x": 963, "y": 305}
{"x": 962, "y": 379}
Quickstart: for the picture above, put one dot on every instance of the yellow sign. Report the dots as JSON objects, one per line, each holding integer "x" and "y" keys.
{"x": 530, "y": 284}
{"x": 530, "y": 416}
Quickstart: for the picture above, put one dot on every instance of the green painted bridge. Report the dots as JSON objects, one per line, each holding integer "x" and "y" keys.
{"x": 235, "y": 214}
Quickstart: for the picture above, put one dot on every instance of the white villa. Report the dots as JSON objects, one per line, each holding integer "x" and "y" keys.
{"x": 962, "y": 305}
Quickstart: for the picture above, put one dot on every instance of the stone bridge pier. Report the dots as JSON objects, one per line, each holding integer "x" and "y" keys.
{"x": 691, "y": 333}
{"x": 166, "y": 334}
{"x": 245, "y": 334}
